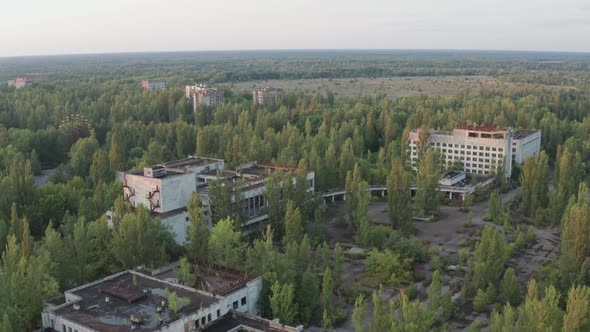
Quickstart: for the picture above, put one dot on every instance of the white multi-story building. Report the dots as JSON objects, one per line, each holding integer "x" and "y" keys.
{"x": 267, "y": 96}
{"x": 140, "y": 300}
{"x": 166, "y": 189}
{"x": 479, "y": 149}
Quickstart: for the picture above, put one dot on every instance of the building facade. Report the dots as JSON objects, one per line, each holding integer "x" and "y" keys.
{"x": 203, "y": 95}
{"x": 141, "y": 300}
{"x": 267, "y": 96}
{"x": 153, "y": 85}
{"x": 166, "y": 189}
{"x": 20, "y": 82}
{"x": 479, "y": 150}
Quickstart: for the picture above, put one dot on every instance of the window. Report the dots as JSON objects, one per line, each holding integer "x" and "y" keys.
{"x": 462, "y": 146}
{"x": 69, "y": 329}
{"x": 493, "y": 149}
{"x": 244, "y": 301}
{"x": 208, "y": 317}
{"x": 500, "y": 149}
{"x": 487, "y": 148}
{"x": 63, "y": 327}
{"x": 203, "y": 320}
{"x": 218, "y": 313}
{"x": 235, "y": 304}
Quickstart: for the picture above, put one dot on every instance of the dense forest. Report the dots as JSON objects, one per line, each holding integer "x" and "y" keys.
{"x": 55, "y": 236}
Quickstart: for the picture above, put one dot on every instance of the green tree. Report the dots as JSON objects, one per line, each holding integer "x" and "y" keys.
{"x": 308, "y": 295}
{"x": 283, "y": 303}
{"x": 398, "y": 194}
{"x": 491, "y": 253}
{"x": 575, "y": 247}
{"x": 293, "y": 225}
{"x": 577, "y": 317}
{"x": 225, "y": 244}
{"x": 327, "y": 289}
{"x": 117, "y": 154}
{"x": 427, "y": 178}
{"x": 439, "y": 304}
{"x": 184, "y": 272}
{"x": 360, "y": 314}
{"x": 137, "y": 240}
{"x": 198, "y": 230}
{"x": 534, "y": 183}
{"x": 338, "y": 268}
{"x": 99, "y": 170}
{"x": 357, "y": 197}
{"x": 510, "y": 288}
{"x": 540, "y": 314}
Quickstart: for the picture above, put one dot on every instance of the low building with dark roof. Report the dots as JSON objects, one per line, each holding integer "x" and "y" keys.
{"x": 144, "y": 300}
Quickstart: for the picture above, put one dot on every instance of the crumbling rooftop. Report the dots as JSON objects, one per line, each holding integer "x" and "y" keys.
{"x": 112, "y": 304}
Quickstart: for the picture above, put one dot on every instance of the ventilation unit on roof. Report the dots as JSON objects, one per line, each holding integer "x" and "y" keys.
{"x": 155, "y": 171}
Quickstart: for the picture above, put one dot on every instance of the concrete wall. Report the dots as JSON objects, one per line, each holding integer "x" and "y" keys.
{"x": 178, "y": 224}
{"x": 526, "y": 147}
{"x": 174, "y": 192}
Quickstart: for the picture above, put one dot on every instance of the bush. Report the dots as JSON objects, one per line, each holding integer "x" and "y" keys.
{"x": 388, "y": 268}
{"x": 531, "y": 238}
{"x": 412, "y": 291}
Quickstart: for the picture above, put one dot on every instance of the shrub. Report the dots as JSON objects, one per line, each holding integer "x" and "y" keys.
{"x": 388, "y": 268}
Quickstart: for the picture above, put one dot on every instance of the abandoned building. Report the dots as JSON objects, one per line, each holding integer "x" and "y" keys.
{"x": 165, "y": 189}
{"x": 480, "y": 150}
{"x": 155, "y": 300}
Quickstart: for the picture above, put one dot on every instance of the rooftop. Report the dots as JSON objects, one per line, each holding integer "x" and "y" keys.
{"x": 522, "y": 133}
{"x": 485, "y": 127}
{"x": 109, "y": 304}
{"x": 211, "y": 278}
{"x": 191, "y": 161}
{"x": 451, "y": 174}
{"x": 234, "y": 319}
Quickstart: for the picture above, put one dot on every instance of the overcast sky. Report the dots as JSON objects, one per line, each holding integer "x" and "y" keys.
{"x": 36, "y": 27}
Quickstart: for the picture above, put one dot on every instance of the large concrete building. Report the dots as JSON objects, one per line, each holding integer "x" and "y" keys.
{"x": 153, "y": 84}
{"x": 140, "y": 300}
{"x": 20, "y": 82}
{"x": 267, "y": 96}
{"x": 480, "y": 150}
{"x": 203, "y": 95}
{"x": 165, "y": 189}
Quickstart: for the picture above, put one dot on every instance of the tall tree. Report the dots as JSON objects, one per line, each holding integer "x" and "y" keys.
{"x": 491, "y": 253}
{"x": 198, "y": 230}
{"x": 327, "y": 289}
{"x": 357, "y": 197}
{"x": 575, "y": 247}
{"x": 293, "y": 225}
{"x": 427, "y": 178}
{"x": 534, "y": 184}
{"x": 398, "y": 194}
{"x": 283, "y": 303}
{"x": 225, "y": 244}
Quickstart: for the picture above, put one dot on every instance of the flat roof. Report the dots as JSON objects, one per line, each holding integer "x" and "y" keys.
{"x": 215, "y": 279}
{"x": 522, "y": 133}
{"x": 451, "y": 174}
{"x": 191, "y": 161}
{"x": 130, "y": 293}
{"x": 234, "y": 319}
{"x": 169, "y": 173}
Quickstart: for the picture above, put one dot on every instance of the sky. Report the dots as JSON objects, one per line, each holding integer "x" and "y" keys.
{"x": 40, "y": 27}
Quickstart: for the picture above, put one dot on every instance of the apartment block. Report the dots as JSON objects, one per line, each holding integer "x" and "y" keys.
{"x": 140, "y": 300}
{"x": 149, "y": 85}
{"x": 166, "y": 189}
{"x": 203, "y": 95}
{"x": 20, "y": 82}
{"x": 267, "y": 96}
{"x": 479, "y": 150}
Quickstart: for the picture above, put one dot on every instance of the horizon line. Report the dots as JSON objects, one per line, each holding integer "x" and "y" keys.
{"x": 296, "y": 50}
